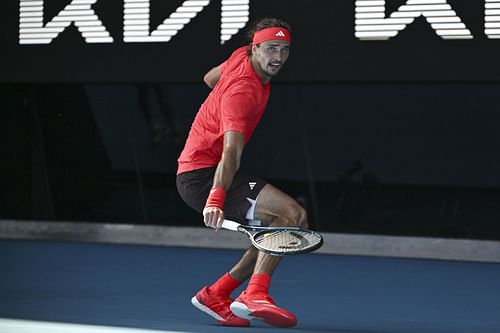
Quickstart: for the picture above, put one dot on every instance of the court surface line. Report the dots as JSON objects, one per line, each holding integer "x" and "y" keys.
{"x": 30, "y": 326}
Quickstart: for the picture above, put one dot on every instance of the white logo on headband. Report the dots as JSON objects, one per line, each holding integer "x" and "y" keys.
{"x": 280, "y": 34}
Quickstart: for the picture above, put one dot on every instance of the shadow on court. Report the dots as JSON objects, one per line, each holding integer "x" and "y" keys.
{"x": 150, "y": 287}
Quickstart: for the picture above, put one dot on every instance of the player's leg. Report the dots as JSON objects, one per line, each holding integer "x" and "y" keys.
{"x": 244, "y": 268}
{"x": 273, "y": 208}
{"x": 270, "y": 207}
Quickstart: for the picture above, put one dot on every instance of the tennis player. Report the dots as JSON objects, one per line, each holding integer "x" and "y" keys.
{"x": 209, "y": 178}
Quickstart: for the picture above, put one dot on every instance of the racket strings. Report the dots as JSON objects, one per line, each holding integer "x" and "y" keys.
{"x": 287, "y": 241}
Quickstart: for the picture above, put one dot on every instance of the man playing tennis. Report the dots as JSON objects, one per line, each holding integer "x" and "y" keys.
{"x": 209, "y": 179}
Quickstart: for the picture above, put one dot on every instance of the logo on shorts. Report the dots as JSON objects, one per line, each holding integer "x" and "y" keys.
{"x": 252, "y": 185}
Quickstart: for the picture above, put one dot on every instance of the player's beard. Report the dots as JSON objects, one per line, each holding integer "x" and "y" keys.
{"x": 265, "y": 66}
{"x": 270, "y": 70}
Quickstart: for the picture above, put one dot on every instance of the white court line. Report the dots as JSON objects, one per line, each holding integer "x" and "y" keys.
{"x": 29, "y": 326}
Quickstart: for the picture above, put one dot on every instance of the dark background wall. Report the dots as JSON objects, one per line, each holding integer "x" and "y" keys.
{"x": 439, "y": 134}
{"x": 386, "y": 137}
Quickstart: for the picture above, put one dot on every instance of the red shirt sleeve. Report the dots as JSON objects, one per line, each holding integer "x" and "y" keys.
{"x": 234, "y": 60}
{"x": 235, "y": 111}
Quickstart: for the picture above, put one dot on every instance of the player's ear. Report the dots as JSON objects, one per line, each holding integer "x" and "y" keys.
{"x": 254, "y": 48}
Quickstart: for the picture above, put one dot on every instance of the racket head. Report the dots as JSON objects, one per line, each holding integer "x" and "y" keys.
{"x": 286, "y": 241}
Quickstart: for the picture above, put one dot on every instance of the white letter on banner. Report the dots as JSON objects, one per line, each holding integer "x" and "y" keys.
{"x": 136, "y": 21}
{"x": 372, "y": 24}
{"x": 492, "y": 19}
{"x": 235, "y": 15}
{"x": 79, "y": 12}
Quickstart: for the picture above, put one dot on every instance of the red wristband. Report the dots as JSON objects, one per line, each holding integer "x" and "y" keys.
{"x": 216, "y": 197}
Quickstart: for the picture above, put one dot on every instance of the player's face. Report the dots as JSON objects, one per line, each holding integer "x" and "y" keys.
{"x": 270, "y": 56}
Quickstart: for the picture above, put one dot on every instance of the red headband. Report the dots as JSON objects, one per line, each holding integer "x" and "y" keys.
{"x": 267, "y": 34}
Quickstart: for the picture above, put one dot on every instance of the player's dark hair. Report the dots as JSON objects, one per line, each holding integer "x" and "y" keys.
{"x": 264, "y": 23}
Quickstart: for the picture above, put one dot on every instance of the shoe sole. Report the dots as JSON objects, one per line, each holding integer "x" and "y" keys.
{"x": 205, "y": 309}
{"x": 213, "y": 314}
{"x": 268, "y": 316}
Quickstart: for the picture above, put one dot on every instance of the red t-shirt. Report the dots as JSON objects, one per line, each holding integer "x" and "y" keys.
{"x": 236, "y": 103}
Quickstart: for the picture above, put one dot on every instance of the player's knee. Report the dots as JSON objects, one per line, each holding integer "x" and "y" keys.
{"x": 302, "y": 219}
{"x": 298, "y": 217}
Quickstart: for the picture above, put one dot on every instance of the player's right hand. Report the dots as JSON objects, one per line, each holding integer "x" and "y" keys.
{"x": 213, "y": 217}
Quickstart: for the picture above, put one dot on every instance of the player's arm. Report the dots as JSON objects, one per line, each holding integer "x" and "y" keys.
{"x": 212, "y": 76}
{"x": 213, "y": 213}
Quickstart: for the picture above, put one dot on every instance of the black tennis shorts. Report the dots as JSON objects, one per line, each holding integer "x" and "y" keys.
{"x": 194, "y": 187}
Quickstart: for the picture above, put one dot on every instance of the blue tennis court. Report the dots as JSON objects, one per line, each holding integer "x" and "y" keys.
{"x": 149, "y": 288}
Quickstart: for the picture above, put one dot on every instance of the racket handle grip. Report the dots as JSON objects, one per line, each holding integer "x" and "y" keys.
{"x": 230, "y": 225}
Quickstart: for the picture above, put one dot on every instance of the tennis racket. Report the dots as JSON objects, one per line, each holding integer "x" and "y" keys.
{"x": 278, "y": 241}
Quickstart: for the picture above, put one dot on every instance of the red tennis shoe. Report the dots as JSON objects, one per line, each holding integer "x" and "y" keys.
{"x": 218, "y": 308}
{"x": 261, "y": 306}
